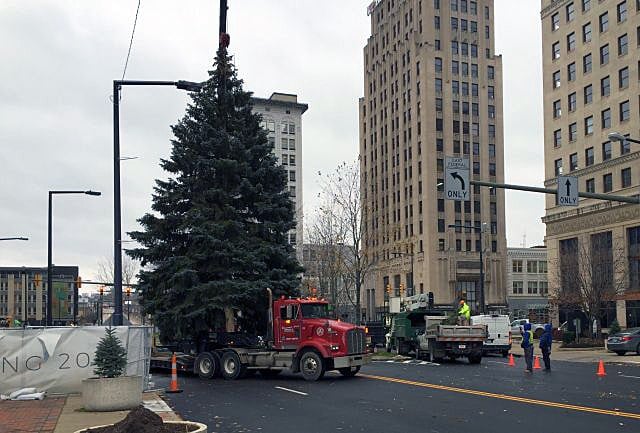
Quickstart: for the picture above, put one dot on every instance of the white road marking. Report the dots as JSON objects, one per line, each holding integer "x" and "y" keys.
{"x": 391, "y": 360}
{"x": 498, "y": 362}
{"x": 291, "y": 390}
{"x": 407, "y": 361}
{"x": 423, "y": 363}
{"x": 632, "y": 377}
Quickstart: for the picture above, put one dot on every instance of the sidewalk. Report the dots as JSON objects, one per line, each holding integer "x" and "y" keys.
{"x": 64, "y": 414}
{"x": 578, "y": 355}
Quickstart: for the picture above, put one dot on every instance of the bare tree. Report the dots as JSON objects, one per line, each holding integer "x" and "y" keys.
{"x": 590, "y": 274}
{"x": 106, "y": 273}
{"x": 342, "y": 225}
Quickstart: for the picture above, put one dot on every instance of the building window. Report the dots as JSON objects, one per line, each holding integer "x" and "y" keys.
{"x": 604, "y": 54}
{"x": 516, "y": 266}
{"x": 492, "y": 169}
{"x": 571, "y": 72}
{"x": 438, "y": 85}
{"x": 588, "y": 156}
{"x": 557, "y": 110}
{"x": 586, "y": 33}
{"x": 556, "y": 79}
{"x": 532, "y": 287}
{"x": 572, "y": 101}
{"x": 606, "y": 151}
{"x": 607, "y": 182}
{"x": 439, "y": 144}
{"x": 532, "y": 266}
{"x": 623, "y": 45}
{"x": 623, "y": 78}
{"x": 454, "y": 47}
{"x": 625, "y": 111}
{"x": 454, "y": 25}
{"x": 557, "y": 138}
{"x": 573, "y": 132}
{"x": 571, "y": 41}
{"x": 625, "y": 174}
{"x": 605, "y": 86}
{"x": 606, "y": 118}
{"x": 438, "y": 104}
{"x": 587, "y": 63}
{"x": 292, "y": 160}
{"x": 588, "y": 125}
{"x": 558, "y": 166}
{"x": 590, "y": 185}
{"x": 573, "y": 161}
{"x": 588, "y": 94}
{"x": 604, "y": 22}
{"x": 517, "y": 287}
{"x": 586, "y": 5}
{"x": 438, "y": 64}
{"x": 476, "y": 168}
{"x": 455, "y": 67}
{"x": 571, "y": 12}
{"x": 624, "y": 146}
{"x": 292, "y": 176}
{"x": 555, "y": 50}
{"x": 292, "y": 191}
{"x": 555, "y": 21}
{"x": 621, "y": 10}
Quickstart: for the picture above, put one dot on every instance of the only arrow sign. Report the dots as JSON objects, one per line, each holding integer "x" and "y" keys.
{"x": 568, "y": 185}
{"x": 455, "y": 175}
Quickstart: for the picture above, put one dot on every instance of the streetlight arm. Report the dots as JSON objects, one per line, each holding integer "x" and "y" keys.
{"x": 14, "y": 239}
{"x": 616, "y": 136}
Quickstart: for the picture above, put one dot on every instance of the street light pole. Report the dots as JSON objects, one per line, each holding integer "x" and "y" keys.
{"x": 49, "y": 309}
{"x": 117, "y": 213}
{"x": 479, "y": 231}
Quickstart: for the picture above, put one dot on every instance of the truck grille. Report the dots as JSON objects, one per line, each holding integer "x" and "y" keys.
{"x": 356, "y": 341}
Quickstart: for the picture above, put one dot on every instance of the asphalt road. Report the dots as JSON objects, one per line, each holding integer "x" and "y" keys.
{"x": 420, "y": 397}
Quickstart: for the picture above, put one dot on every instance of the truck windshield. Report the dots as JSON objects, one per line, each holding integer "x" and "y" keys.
{"x": 315, "y": 311}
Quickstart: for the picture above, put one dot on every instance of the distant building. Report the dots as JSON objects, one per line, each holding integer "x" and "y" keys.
{"x": 528, "y": 293}
{"x": 25, "y": 299}
{"x": 282, "y": 119}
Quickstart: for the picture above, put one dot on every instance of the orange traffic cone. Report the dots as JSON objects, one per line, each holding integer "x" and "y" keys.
{"x": 512, "y": 362}
{"x": 536, "y": 363}
{"x": 601, "y": 369}
{"x": 173, "y": 386}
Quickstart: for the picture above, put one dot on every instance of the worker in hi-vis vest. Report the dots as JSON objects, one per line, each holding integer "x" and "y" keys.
{"x": 464, "y": 313}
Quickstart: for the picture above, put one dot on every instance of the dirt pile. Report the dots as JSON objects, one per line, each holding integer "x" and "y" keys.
{"x": 141, "y": 420}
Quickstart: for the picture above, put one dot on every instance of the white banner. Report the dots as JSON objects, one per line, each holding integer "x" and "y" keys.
{"x": 56, "y": 360}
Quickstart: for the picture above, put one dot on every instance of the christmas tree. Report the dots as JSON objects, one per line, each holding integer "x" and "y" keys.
{"x": 111, "y": 356}
{"x": 218, "y": 235}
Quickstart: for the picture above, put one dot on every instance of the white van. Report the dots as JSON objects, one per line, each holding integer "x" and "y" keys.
{"x": 499, "y": 331}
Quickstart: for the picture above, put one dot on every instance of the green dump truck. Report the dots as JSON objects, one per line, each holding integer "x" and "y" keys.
{"x": 404, "y": 330}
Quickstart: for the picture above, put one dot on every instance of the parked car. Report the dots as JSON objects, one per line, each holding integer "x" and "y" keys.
{"x": 625, "y": 341}
{"x": 518, "y": 324}
{"x": 499, "y": 333}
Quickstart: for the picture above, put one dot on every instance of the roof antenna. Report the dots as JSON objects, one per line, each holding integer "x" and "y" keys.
{"x": 524, "y": 240}
{"x": 225, "y": 39}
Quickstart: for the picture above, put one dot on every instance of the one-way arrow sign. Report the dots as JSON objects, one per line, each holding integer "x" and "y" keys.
{"x": 567, "y": 191}
{"x": 456, "y": 178}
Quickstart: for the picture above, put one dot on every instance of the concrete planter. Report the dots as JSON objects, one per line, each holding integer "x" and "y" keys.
{"x": 195, "y": 427}
{"x": 101, "y": 394}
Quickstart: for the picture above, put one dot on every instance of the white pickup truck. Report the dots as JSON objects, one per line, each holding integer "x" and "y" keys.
{"x": 518, "y": 324}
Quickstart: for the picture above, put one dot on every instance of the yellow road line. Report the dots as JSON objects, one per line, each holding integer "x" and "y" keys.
{"x": 504, "y": 397}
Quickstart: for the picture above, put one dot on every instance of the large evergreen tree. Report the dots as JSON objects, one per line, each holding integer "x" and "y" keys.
{"x": 218, "y": 234}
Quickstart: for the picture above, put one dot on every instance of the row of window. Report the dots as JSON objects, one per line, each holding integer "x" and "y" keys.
{"x": 533, "y": 287}
{"x": 467, "y": 244}
{"x": 493, "y": 210}
{"x": 462, "y": 68}
{"x": 288, "y": 159}
{"x": 533, "y": 266}
{"x": 607, "y": 154}
{"x": 472, "y": 128}
{"x": 587, "y": 92}
{"x": 587, "y": 59}
{"x": 463, "y": 88}
{"x": 466, "y": 147}
{"x": 570, "y": 14}
{"x": 607, "y": 181}
{"x": 461, "y": 6}
{"x": 624, "y": 114}
{"x": 285, "y": 127}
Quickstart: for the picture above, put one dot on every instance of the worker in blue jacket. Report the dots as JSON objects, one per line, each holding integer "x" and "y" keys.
{"x": 545, "y": 346}
{"x": 527, "y": 345}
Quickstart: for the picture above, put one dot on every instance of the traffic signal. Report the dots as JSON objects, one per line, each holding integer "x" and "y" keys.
{"x": 388, "y": 289}
{"x": 401, "y": 289}
{"x": 128, "y": 291}
{"x": 79, "y": 282}
{"x": 101, "y": 290}
{"x": 430, "y": 299}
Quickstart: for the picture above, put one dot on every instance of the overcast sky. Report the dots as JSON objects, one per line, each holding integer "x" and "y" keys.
{"x": 60, "y": 57}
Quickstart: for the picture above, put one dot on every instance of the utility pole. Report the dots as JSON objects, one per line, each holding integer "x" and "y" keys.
{"x": 224, "y": 36}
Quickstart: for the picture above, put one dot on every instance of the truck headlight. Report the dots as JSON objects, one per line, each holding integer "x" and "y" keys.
{"x": 335, "y": 347}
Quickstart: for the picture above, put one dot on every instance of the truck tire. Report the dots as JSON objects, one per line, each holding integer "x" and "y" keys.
{"x": 348, "y": 371}
{"x": 207, "y": 365}
{"x": 230, "y": 366}
{"x": 312, "y": 366}
{"x": 475, "y": 359}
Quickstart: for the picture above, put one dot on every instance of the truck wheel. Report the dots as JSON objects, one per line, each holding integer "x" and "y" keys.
{"x": 231, "y": 366}
{"x": 311, "y": 366}
{"x": 207, "y": 365}
{"x": 349, "y": 371}
{"x": 475, "y": 359}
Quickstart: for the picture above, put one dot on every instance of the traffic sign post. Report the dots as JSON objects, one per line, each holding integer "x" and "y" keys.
{"x": 567, "y": 191}
{"x": 456, "y": 180}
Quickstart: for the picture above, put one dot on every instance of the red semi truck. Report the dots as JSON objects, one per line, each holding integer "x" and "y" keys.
{"x": 301, "y": 337}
